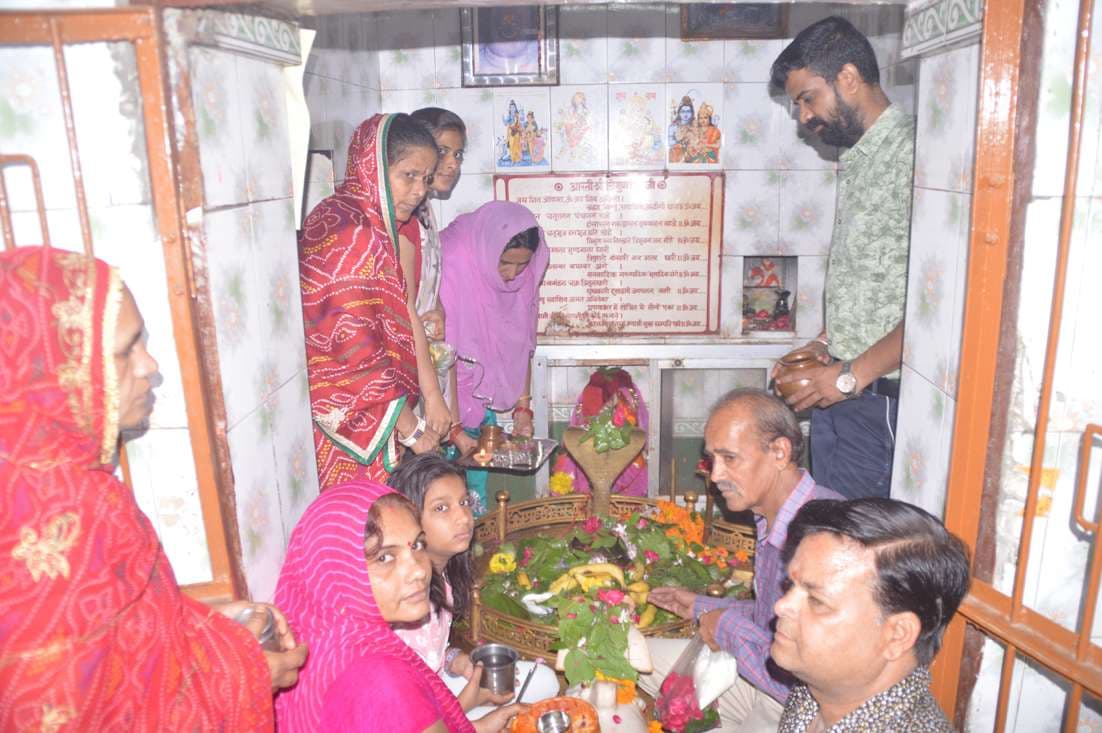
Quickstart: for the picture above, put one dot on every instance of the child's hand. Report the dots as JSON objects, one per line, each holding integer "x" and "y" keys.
{"x": 461, "y": 666}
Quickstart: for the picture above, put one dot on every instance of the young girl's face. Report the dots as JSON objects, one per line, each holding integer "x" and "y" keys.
{"x": 447, "y": 520}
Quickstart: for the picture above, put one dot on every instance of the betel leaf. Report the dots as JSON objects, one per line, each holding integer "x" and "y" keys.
{"x": 577, "y": 667}
{"x": 498, "y": 600}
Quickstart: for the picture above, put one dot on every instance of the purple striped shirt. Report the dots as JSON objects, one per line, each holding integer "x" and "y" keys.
{"x": 744, "y": 629}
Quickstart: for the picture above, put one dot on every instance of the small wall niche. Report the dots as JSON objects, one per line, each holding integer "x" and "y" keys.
{"x": 769, "y": 296}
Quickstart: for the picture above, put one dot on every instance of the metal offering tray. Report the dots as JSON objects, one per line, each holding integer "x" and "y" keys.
{"x": 514, "y": 454}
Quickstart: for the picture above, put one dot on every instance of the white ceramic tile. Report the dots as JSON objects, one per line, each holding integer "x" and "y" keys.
{"x": 751, "y": 123}
{"x": 263, "y": 108}
{"x": 808, "y": 298}
{"x": 296, "y": 471}
{"x": 364, "y": 51}
{"x": 583, "y": 44}
{"x": 730, "y": 304}
{"x": 228, "y": 235}
{"x": 797, "y": 148}
{"x": 473, "y": 191}
{"x": 918, "y": 470}
{"x": 216, "y": 96}
{"x": 636, "y": 43}
{"x": 406, "y": 50}
{"x": 807, "y": 211}
{"x": 751, "y": 216}
{"x": 162, "y": 472}
{"x": 579, "y": 127}
{"x": 690, "y": 61}
{"x": 946, "y": 118}
{"x": 932, "y": 279}
{"x": 522, "y": 135}
{"x": 446, "y": 51}
{"x": 697, "y": 147}
{"x": 275, "y": 284}
{"x": 475, "y": 106}
{"x": 948, "y": 380}
{"x": 259, "y": 517}
{"x": 750, "y": 60}
{"x": 637, "y": 126}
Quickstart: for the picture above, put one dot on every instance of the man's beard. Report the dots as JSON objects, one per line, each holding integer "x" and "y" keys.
{"x": 843, "y": 130}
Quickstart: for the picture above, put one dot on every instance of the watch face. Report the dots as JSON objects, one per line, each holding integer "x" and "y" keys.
{"x": 846, "y": 383}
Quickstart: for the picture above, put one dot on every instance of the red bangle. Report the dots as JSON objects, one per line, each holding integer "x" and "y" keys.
{"x": 455, "y": 431}
{"x": 523, "y": 410}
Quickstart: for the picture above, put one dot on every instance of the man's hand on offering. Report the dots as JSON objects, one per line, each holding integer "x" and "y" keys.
{"x": 821, "y": 390}
{"x": 674, "y": 600}
{"x": 709, "y": 624}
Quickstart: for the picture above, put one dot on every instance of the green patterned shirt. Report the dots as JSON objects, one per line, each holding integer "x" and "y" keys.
{"x": 866, "y": 281}
{"x": 905, "y": 707}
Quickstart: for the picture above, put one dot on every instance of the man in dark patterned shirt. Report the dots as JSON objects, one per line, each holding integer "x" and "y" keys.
{"x": 755, "y": 444}
{"x": 872, "y": 584}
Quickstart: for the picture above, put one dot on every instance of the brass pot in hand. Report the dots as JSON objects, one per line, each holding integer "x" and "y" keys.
{"x": 796, "y": 362}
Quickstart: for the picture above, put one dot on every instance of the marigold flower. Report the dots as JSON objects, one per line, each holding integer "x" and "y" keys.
{"x": 502, "y": 563}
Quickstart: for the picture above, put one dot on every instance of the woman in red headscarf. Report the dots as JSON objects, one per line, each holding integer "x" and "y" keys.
{"x": 94, "y": 632}
{"x": 363, "y": 348}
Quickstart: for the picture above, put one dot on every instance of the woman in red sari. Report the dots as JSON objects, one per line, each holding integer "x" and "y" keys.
{"x": 363, "y": 348}
{"x": 94, "y": 632}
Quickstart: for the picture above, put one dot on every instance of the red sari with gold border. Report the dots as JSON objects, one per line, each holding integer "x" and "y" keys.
{"x": 95, "y": 634}
{"x": 359, "y": 342}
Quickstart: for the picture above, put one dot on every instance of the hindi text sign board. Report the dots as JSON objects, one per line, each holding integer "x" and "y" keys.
{"x": 633, "y": 254}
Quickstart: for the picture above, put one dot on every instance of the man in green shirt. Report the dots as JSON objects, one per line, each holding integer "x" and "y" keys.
{"x": 829, "y": 71}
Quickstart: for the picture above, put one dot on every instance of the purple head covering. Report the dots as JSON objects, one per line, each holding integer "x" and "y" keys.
{"x": 490, "y": 320}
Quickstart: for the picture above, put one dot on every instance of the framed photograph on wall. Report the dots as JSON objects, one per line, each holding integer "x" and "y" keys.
{"x": 510, "y": 46}
{"x": 733, "y": 21}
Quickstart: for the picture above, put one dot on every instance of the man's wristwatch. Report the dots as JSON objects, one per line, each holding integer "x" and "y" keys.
{"x": 846, "y": 382}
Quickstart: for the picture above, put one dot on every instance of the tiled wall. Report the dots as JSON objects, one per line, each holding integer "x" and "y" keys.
{"x": 945, "y": 131}
{"x": 249, "y": 235}
{"x": 1055, "y": 577}
{"x": 103, "y": 83}
{"x": 780, "y": 189}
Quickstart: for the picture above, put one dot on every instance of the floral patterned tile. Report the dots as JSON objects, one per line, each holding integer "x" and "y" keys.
{"x": 275, "y": 286}
{"x": 947, "y": 118}
{"x": 447, "y": 55}
{"x": 230, "y": 262}
{"x": 475, "y": 106}
{"x": 636, "y": 43}
{"x": 808, "y": 303}
{"x": 264, "y": 124}
{"x": 751, "y": 126}
{"x": 259, "y": 515}
{"x": 406, "y": 50}
{"x": 218, "y": 116}
{"x": 583, "y": 44}
{"x": 750, "y": 60}
{"x": 690, "y": 61}
{"x": 932, "y": 281}
{"x": 919, "y": 471}
{"x": 730, "y": 304}
{"x": 296, "y": 472}
{"x": 162, "y": 472}
{"x": 807, "y": 211}
{"x": 797, "y": 148}
{"x": 751, "y": 215}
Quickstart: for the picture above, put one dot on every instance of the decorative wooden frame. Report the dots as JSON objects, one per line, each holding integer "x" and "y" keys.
{"x": 733, "y": 21}
{"x": 476, "y": 72}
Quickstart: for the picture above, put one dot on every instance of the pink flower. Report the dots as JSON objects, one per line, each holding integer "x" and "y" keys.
{"x": 642, "y": 523}
{"x": 650, "y": 555}
{"x": 619, "y": 417}
{"x": 592, "y": 524}
{"x": 611, "y": 596}
{"x": 572, "y": 615}
{"x": 617, "y": 719}
{"x": 526, "y": 557}
{"x": 613, "y": 618}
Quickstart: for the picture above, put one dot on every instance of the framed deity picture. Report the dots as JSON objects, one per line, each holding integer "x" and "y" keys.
{"x": 733, "y": 21}
{"x": 510, "y": 46}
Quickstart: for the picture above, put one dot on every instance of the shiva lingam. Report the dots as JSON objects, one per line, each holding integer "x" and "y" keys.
{"x": 558, "y": 515}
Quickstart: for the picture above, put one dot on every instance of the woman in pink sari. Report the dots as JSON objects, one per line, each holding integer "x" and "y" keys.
{"x": 494, "y": 259}
{"x": 357, "y": 564}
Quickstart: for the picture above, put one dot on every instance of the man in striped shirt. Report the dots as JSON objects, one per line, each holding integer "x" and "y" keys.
{"x": 755, "y": 445}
